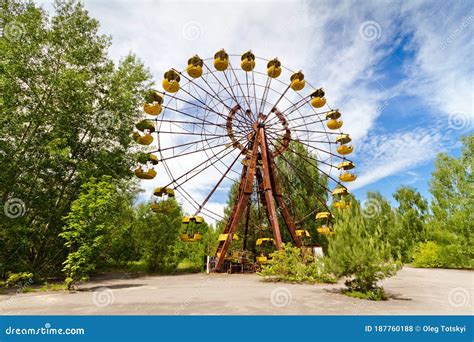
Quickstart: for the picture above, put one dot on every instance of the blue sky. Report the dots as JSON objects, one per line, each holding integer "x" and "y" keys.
{"x": 401, "y": 72}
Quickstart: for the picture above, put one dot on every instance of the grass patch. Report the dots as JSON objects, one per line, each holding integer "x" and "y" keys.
{"x": 376, "y": 294}
{"x": 188, "y": 267}
{"x": 53, "y": 287}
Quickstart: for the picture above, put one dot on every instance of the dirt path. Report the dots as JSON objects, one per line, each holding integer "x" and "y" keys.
{"x": 413, "y": 292}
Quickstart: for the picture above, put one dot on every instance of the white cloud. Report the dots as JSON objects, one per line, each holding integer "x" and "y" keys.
{"x": 381, "y": 156}
{"x": 326, "y": 40}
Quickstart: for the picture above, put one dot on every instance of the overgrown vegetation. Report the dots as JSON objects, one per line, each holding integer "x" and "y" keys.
{"x": 371, "y": 243}
{"x": 69, "y": 204}
{"x": 291, "y": 264}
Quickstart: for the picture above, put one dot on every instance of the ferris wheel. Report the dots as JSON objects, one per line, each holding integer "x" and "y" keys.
{"x": 229, "y": 119}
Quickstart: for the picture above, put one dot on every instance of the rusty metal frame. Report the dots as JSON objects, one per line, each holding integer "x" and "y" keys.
{"x": 268, "y": 185}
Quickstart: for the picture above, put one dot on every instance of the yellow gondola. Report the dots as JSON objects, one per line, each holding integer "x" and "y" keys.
{"x": 171, "y": 80}
{"x": 223, "y": 237}
{"x": 333, "y": 114}
{"x": 153, "y": 102}
{"x": 190, "y": 237}
{"x": 161, "y": 191}
{"x": 343, "y": 139}
{"x": 297, "y": 81}
{"x": 346, "y": 165}
{"x": 248, "y": 61}
{"x": 194, "y": 68}
{"x": 147, "y": 158}
{"x": 262, "y": 240}
{"x": 145, "y": 125}
{"x": 142, "y": 174}
{"x": 344, "y": 150}
{"x": 340, "y": 191}
{"x": 152, "y": 158}
{"x": 324, "y": 230}
{"x": 161, "y": 207}
{"x": 347, "y": 177}
{"x": 302, "y": 233}
{"x": 324, "y": 215}
{"x": 193, "y": 237}
{"x": 262, "y": 259}
{"x": 195, "y": 219}
{"x": 152, "y": 108}
{"x": 274, "y": 68}
{"x": 146, "y": 139}
{"x": 221, "y": 60}
{"x": 155, "y": 207}
{"x": 317, "y": 98}
{"x": 334, "y": 124}
{"x": 342, "y": 204}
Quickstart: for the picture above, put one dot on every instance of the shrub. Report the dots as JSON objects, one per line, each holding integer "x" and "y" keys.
{"x": 427, "y": 254}
{"x": 358, "y": 254}
{"x": 432, "y": 254}
{"x": 289, "y": 264}
{"x": 376, "y": 294}
{"x": 19, "y": 279}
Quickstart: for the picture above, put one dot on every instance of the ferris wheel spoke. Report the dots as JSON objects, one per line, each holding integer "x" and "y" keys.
{"x": 306, "y": 124}
{"x": 248, "y": 95}
{"x": 184, "y": 144}
{"x": 240, "y": 112}
{"x": 223, "y": 87}
{"x": 203, "y": 163}
{"x": 296, "y": 106}
{"x": 276, "y": 103}
{"x": 319, "y": 149}
{"x": 216, "y": 97}
{"x": 321, "y": 200}
{"x": 311, "y": 131}
{"x": 198, "y": 171}
{"x": 205, "y": 104}
{"x": 302, "y": 177}
{"x": 255, "y": 93}
{"x": 246, "y": 98}
{"x": 191, "y": 123}
{"x": 195, "y": 204}
{"x": 216, "y": 186}
{"x": 192, "y": 152}
{"x": 265, "y": 94}
{"x": 309, "y": 161}
{"x": 186, "y": 114}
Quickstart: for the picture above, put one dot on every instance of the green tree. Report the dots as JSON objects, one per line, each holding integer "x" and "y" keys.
{"x": 412, "y": 213}
{"x": 158, "y": 234}
{"x": 92, "y": 216}
{"x": 360, "y": 254}
{"x": 66, "y": 113}
{"x": 305, "y": 188}
{"x": 451, "y": 226}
